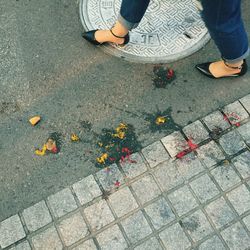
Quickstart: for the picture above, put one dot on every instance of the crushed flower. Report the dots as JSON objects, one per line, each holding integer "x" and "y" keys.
{"x": 74, "y": 137}
{"x": 42, "y": 151}
{"x": 117, "y": 183}
{"x": 102, "y": 158}
{"x": 160, "y": 120}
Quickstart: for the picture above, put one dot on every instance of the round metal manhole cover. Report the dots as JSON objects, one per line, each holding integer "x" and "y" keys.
{"x": 170, "y": 29}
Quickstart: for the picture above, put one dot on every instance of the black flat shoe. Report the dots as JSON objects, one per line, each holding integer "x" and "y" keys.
{"x": 204, "y": 69}
{"x": 90, "y": 36}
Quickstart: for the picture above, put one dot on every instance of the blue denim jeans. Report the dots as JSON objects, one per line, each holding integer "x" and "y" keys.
{"x": 222, "y": 18}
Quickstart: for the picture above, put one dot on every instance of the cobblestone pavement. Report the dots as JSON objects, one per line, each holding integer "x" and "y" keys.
{"x": 201, "y": 201}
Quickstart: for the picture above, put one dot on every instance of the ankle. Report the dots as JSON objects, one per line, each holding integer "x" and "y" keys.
{"x": 119, "y": 30}
{"x": 234, "y": 66}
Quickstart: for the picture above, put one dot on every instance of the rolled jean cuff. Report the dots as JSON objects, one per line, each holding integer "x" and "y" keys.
{"x": 244, "y": 56}
{"x": 128, "y": 25}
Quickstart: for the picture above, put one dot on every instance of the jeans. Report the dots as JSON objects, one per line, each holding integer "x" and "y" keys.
{"x": 222, "y": 18}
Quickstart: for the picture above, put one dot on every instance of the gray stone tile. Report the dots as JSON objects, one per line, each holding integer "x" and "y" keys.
{"x": 168, "y": 175}
{"x": 236, "y": 237}
{"x": 242, "y": 163}
{"x": 174, "y": 143}
{"x": 37, "y": 216}
{"x": 213, "y": 243}
{"x": 122, "y": 201}
{"x": 134, "y": 167}
{"x": 11, "y": 231}
{"x": 109, "y": 176}
{"x": 182, "y": 200}
{"x": 87, "y": 189}
{"x": 62, "y": 202}
{"x": 112, "y": 238}
{"x": 197, "y": 225}
{"x": 73, "y": 229}
{"x": 246, "y": 220}
{"x": 22, "y": 246}
{"x": 246, "y": 102}
{"x": 146, "y": 189}
{"x": 196, "y": 132}
{"x": 174, "y": 238}
{"x": 86, "y": 245}
{"x": 204, "y": 188}
{"x": 155, "y": 153}
{"x": 232, "y": 142}
{"x": 225, "y": 176}
{"x": 240, "y": 199}
{"x": 220, "y": 213}
{"x": 216, "y": 120}
{"x": 47, "y": 239}
{"x": 210, "y": 154}
{"x": 98, "y": 215}
{"x": 244, "y": 131}
{"x": 136, "y": 227}
{"x": 160, "y": 213}
{"x": 235, "y": 112}
{"x": 150, "y": 244}
{"x": 189, "y": 166}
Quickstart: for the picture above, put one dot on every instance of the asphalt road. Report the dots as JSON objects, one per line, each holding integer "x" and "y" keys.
{"x": 47, "y": 69}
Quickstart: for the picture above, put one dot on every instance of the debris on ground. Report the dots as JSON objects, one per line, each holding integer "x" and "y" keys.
{"x": 191, "y": 147}
{"x": 163, "y": 76}
{"x": 232, "y": 118}
{"x": 34, "y": 120}
{"x": 215, "y": 133}
{"x": 74, "y": 137}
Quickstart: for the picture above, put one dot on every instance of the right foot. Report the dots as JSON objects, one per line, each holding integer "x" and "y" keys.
{"x": 103, "y": 36}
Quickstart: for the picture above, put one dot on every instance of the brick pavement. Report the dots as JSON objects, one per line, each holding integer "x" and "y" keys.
{"x": 201, "y": 201}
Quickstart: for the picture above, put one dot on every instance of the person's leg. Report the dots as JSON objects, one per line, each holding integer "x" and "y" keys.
{"x": 131, "y": 13}
{"x": 225, "y": 25}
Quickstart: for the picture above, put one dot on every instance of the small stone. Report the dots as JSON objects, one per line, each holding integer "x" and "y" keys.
{"x": 136, "y": 227}
{"x": 11, "y": 231}
{"x": 87, "y": 190}
{"x": 196, "y": 132}
{"x": 112, "y": 238}
{"x": 47, "y": 239}
{"x": 155, "y": 154}
{"x": 73, "y": 229}
{"x": 37, "y": 216}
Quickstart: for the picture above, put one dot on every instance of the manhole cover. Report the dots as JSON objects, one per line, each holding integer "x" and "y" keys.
{"x": 170, "y": 29}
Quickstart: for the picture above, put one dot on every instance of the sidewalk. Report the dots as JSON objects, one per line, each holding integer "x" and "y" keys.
{"x": 201, "y": 201}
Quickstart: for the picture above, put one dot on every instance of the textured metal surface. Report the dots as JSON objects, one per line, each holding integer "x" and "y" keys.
{"x": 170, "y": 29}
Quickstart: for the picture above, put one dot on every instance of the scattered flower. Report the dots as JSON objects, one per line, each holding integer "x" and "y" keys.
{"x": 102, "y": 158}
{"x": 117, "y": 184}
{"x": 160, "y": 120}
{"x": 74, "y": 137}
{"x": 34, "y": 120}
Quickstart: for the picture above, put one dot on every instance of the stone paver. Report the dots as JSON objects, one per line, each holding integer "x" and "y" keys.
{"x": 98, "y": 215}
{"x": 160, "y": 213}
{"x": 86, "y": 245}
{"x": 219, "y": 212}
{"x": 123, "y": 201}
{"x": 136, "y": 227}
{"x": 246, "y": 220}
{"x": 225, "y": 176}
{"x": 210, "y": 154}
{"x": 22, "y": 246}
{"x": 150, "y": 244}
{"x": 134, "y": 167}
{"x": 242, "y": 163}
{"x": 246, "y": 102}
{"x": 196, "y": 132}
{"x": 174, "y": 238}
{"x": 204, "y": 188}
{"x": 11, "y": 230}
{"x": 108, "y": 177}
{"x": 155, "y": 154}
{"x": 112, "y": 238}
{"x": 73, "y": 229}
{"x": 236, "y": 237}
{"x": 48, "y": 239}
{"x": 240, "y": 199}
{"x": 87, "y": 189}
{"x": 216, "y": 120}
{"x": 213, "y": 243}
{"x": 146, "y": 189}
{"x": 168, "y": 175}
{"x": 62, "y": 202}
{"x": 232, "y": 143}
{"x": 197, "y": 225}
{"x": 37, "y": 216}
{"x": 235, "y": 112}
{"x": 244, "y": 131}
{"x": 174, "y": 143}
{"x": 182, "y": 200}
